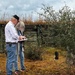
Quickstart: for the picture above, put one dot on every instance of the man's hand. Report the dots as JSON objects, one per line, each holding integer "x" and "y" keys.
{"x": 22, "y": 38}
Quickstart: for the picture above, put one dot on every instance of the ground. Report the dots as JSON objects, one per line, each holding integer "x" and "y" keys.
{"x": 47, "y": 66}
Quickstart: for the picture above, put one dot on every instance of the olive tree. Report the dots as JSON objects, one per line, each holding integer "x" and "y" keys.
{"x": 61, "y": 29}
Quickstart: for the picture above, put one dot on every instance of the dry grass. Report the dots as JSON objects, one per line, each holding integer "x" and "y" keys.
{"x": 47, "y": 66}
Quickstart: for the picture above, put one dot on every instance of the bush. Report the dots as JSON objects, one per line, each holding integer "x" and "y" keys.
{"x": 33, "y": 53}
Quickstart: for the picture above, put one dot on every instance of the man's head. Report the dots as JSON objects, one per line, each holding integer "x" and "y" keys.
{"x": 15, "y": 19}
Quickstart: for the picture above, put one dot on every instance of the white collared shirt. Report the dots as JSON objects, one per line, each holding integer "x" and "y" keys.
{"x": 11, "y": 33}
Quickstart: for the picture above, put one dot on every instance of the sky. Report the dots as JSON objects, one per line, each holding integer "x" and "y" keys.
{"x": 26, "y": 8}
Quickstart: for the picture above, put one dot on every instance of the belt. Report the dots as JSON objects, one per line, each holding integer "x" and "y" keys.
{"x": 11, "y": 42}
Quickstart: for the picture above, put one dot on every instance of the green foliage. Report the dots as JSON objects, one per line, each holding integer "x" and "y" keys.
{"x": 2, "y": 41}
{"x": 33, "y": 53}
{"x": 60, "y": 29}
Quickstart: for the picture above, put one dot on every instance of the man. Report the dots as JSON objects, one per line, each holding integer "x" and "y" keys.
{"x": 20, "y": 30}
{"x": 11, "y": 39}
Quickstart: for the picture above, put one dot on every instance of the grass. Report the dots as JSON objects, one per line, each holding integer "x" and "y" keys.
{"x": 47, "y": 66}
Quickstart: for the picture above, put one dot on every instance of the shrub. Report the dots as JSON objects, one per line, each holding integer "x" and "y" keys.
{"x": 34, "y": 53}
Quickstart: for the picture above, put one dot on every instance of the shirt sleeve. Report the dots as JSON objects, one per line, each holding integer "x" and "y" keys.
{"x": 13, "y": 32}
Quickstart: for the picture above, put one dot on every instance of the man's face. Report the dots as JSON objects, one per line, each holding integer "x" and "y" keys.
{"x": 15, "y": 21}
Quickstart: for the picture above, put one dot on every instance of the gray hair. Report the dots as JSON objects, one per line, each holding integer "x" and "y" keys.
{"x": 20, "y": 26}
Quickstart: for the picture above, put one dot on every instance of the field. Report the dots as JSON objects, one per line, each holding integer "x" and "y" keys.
{"x": 47, "y": 66}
